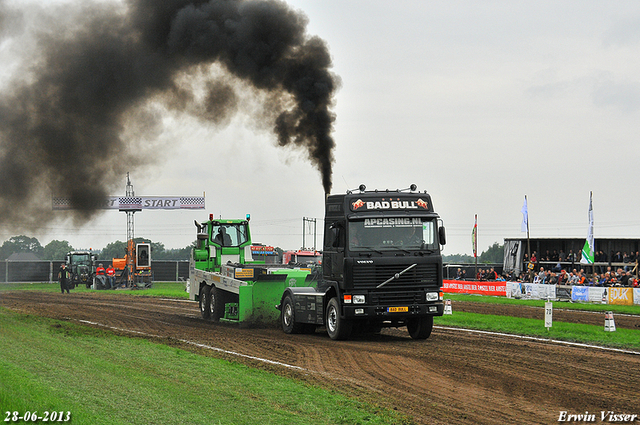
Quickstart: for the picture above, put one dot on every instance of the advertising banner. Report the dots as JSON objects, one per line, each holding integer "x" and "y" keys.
{"x": 636, "y": 295}
{"x": 580, "y": 293}
{"x": 563, "y": 293}
{"x": 531, "y": 291}
{"x": 482, "y": 288}
{"x": 597, "y": 295}
{"x": 537, "y": 291}
{"x": 620, "y": 296}
{"x": 514, "y": 290}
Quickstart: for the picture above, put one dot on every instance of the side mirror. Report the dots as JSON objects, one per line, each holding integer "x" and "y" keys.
{"x": 442, "y": 236}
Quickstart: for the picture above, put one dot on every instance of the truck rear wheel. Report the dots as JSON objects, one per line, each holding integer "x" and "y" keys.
{"x": 204, "y": 301}
{"x": 420, "y": 327}
{"x": 337, "y": 327}
{"x": 288, "y": 319}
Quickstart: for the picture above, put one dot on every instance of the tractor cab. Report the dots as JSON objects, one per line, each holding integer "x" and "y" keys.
{"x": 222, "y": 242}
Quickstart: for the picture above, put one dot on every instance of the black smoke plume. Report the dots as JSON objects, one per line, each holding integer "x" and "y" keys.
{"x": 63, "y": 118}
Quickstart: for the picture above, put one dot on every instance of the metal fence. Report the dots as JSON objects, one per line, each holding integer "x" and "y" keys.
{"x": 47, "y": 271}
{"x": 163, "y": 270}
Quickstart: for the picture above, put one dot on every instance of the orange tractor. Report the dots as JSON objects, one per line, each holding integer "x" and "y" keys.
{"x": 134, "y": 270}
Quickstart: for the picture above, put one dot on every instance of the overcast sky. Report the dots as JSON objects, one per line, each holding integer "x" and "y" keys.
{"x": 479, "y": 103}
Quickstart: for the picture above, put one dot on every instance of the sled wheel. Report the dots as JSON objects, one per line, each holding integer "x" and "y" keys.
{"x": 288, "y": 319}
{"x": 204, "y": 300}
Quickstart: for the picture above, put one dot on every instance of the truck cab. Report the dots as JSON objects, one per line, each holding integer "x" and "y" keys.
{"x": 302, "y": 257}
{"x": 382, "y": 266}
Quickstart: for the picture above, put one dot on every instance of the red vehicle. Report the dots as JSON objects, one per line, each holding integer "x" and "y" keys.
{"x": 302, "y": 257}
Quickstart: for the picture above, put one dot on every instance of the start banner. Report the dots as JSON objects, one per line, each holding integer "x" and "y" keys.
{"x": 497, "y": 288}
{"x": 128, "y": 203}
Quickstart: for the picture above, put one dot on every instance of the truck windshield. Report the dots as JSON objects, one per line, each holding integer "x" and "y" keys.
{"x": 83, "y": 259}
{"x": 229, "y": 234}
{"x": 391, "y": 233}
{"x": 317, "y": 259}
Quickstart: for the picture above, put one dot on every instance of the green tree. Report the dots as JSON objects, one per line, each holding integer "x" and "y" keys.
{"x": 157, "y": 250}
{"x": 494, "y": 254}
{"x": 177, "y": 254}
{"x": 56, "y": 250}
{"x": 458, "y": 259}
{"x": 117, "y": 249}
{"x": 113, "y": 250}
{"x": 20, "y": 243}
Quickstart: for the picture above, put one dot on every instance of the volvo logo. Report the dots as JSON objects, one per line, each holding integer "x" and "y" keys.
{"x": 364, "y": 261}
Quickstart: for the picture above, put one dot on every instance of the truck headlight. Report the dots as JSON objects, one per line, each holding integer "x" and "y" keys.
{"x": 432, "y": 296}
{"x": 359, "y": 299}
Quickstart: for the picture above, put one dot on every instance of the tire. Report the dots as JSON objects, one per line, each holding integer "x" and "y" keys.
{"x": 420, "y": 327}
{"x": 337, "y": 327}
{"x": 216, "y": 304}
{"x": 288, "y": 318}
{"x": 204, "y": 301}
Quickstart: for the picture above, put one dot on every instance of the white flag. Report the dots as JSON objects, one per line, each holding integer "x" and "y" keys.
{"x": 525, "y": 216}
{"x": 587, "y": 250}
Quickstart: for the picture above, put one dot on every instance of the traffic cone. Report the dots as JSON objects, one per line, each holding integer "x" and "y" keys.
{"x": 609, "y": 323}
{"x": 447, "y": 307}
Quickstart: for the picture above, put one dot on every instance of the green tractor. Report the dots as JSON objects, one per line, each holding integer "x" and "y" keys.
{"x": 228, "y": 284}
{"x": 81, "y": 266}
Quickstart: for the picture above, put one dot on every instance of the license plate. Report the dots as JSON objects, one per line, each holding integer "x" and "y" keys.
{"x": 397, "y": 309}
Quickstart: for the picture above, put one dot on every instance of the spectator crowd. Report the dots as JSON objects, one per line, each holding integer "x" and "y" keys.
{"x": 616, "y": 269}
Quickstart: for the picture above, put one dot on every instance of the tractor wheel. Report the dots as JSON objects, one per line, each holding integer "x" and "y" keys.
{"x": 216, "y": 304}
{"x": 288, "y": 319}
{"x": 420, "y": 328}
{"x": 204, "y": 301}
{"x": 337, "y": 328}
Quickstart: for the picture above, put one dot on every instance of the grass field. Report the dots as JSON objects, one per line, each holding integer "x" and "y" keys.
{"x": 625, "y": 309}
{"x": 101, "y": 378}
{"x": 590, "y": 334}
{"x": 53, "y": 366}
{"x": 159, "y": 289}
{"x": 573, "y": 332}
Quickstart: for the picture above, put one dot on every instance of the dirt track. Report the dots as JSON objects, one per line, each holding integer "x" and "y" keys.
{"x": 453, "y": 377}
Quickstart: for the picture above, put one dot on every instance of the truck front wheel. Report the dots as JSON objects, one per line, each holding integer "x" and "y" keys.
{"x": 420, "y": 327}
{"x": 204, "y": 301}
{"x": 337, "y": 327}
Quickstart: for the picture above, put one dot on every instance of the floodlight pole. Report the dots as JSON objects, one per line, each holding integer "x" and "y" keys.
{"x": 304, "y": 231}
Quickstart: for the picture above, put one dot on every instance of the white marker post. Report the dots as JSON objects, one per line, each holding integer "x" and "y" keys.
{"x": 447, "y": 307}
{"x": 609, "y": 323}
{"x": 548, "y": 314}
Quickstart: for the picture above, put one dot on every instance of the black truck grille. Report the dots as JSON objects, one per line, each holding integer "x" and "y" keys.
{"x": 396, "y": 298}
{"x": 369, "y": 276}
